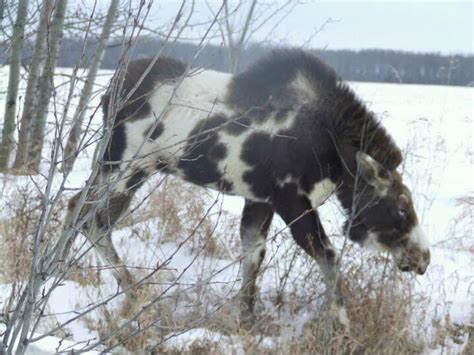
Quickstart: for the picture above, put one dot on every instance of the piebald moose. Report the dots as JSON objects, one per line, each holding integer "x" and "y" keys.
{"x": 284, "y": 134}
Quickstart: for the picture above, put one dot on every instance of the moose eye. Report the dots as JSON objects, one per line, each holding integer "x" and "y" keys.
{"x": 402, "y": 213}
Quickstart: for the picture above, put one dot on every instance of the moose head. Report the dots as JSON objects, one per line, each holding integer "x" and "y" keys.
{"x": 383, "y": 216}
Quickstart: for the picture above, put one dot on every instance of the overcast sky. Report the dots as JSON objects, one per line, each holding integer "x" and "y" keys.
{"x": 409, "y": 25}
{"x": 421, "y": 26}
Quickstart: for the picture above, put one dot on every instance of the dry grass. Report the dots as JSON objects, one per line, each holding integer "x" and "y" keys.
{"x": 16, "y": 231}
{"x": 384, "y": 312}
{"x": 465, "y": 220}
{"x": 176, "y": 210}
{"x": 381, "y": 311}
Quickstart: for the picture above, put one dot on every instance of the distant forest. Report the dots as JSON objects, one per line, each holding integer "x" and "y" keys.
{"x": 372, "y": 65}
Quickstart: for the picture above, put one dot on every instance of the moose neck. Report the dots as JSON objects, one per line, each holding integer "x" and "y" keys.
{"x": 348, "y": 184}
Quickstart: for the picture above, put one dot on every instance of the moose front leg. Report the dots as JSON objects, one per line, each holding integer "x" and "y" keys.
{"x": 308, "y": 232}
{"x": 256, "y": 219}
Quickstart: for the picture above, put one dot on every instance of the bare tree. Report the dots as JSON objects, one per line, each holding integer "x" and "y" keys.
{"x": 70, "y": 152}
{"x": 2, "y": 11}
{"x": 13, "y": 82}
{"x": 235, "y": 45}
{"x": 32, "y": 90}
{"x": 239, "y": 22}
{"x": 46, "y": 85}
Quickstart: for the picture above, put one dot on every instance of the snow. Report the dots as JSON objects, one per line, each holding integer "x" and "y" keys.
{"x": 433, "y": 125}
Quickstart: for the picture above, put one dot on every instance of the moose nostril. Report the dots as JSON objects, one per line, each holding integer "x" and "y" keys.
{"x": 404, "y": 268}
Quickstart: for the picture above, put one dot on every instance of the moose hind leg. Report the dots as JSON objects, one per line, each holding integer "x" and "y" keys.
{"x": 256, "y": 220}
{"x": 106, "y": 201}
{"x": 99, "y": 232}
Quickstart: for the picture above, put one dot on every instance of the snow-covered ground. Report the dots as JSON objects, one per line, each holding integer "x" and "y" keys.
{"x": 433, "y": 125}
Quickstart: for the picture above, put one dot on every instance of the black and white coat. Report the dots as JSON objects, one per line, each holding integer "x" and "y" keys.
{"x": 285, "y": 135}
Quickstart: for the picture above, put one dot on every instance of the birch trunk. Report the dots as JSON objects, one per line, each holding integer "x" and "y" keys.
{"x": 32, "y": 88}
{"x": 2, "y": 11}
{"x": 71, "y": 151}
{"x": 45, "y": 86}
{"x": 237, "y": 49}
{"x": 13, "y": 81}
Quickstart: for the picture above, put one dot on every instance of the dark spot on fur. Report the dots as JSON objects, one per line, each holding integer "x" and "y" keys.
{"x": 218, "y": 152}
{"x": 163, "y": 167}
{"x": 261, "y": 114}
{"x": 196, "y": 162}
{"x": 115, "y": 148}
{"x": 157, "y": 131}
{"x": 329, "y": 254}
{"x": 257, "y": 152}
{"x": 237, "y": 125}
{"x": 136, "y": 180}
{"x": 256, "y": 146}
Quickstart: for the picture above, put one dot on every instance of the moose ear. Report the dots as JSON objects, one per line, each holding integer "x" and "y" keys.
{"x": 372, "y": 171}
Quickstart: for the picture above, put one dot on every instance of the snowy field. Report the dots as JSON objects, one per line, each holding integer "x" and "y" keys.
{"x": 434, "y": 127}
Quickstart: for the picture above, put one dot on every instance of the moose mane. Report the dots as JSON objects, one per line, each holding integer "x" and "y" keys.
{"x": 356, "y": 128}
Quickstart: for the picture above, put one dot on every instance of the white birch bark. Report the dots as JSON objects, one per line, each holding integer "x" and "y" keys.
{"x": 31, "y": 88}
{"x": 45, "y": 86}
{"x": 2, "y": 11}
{"x": 13, "y": 82}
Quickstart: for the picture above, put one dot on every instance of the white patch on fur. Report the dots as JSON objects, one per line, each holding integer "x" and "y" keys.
{"x": 321, "y": 192}
{"x": 254, "y": 256}
{"x": 304, "y": 89}
{"x": 198, "y": 97}
{"x": 418, "y": 238}
{"x": 372, "y": 242}
{"x": 287, "y": 180}
{"x": 252, "y": 250}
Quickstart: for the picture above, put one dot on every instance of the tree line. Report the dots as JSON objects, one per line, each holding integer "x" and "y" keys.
{"x": 372, "y": 65}
{"x": 39, "y": 37}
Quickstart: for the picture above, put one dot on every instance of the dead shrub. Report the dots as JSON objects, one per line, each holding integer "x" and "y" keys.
{"x": 177, "y": 211}
{"x": 383, "y": 309}
{"x": 154, "y": 313}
